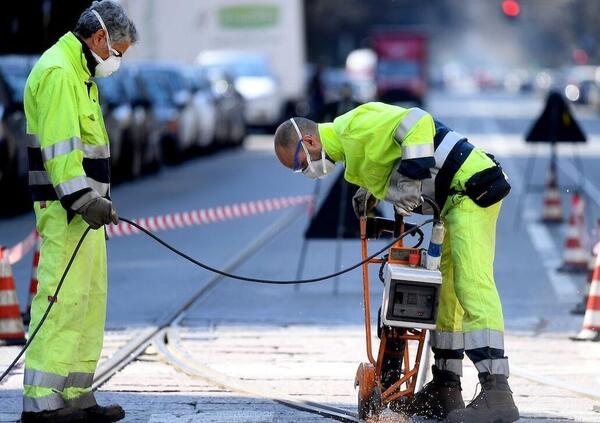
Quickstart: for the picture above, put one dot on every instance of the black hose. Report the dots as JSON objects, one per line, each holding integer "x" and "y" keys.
{"x": 200, "y": 264}
{"x": 50, "y": 304}
{"x": 272, "y": 281}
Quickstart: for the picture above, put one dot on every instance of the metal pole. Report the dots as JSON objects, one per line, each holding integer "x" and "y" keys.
{"x": 303, "y": 249}
{"x": 524, "y": 188}
{"x": 341, "y": 227}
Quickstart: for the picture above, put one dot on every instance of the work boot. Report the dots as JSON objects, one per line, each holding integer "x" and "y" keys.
{"x": 62, "y": 415}
{"x": 437, "y": 398}
{"x": 494, "y": 404}
{"x": 99, "y": 414}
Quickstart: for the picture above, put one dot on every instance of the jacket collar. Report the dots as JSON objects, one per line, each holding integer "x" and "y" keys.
{"x": 331, "y": 142}
{"x": 75, "y": 51}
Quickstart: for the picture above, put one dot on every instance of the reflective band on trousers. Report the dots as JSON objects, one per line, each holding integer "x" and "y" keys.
{"x": 417, "y": 151}
{"x": 445, "y": 147}
{"x": 83, "y": 401}
{"x": 484, "y": 338}
{"x": 34, "y": 377}
{"x": 67, "y": 146}
{"x": 47, "y": 403}
{"x": 79, "y": 380}
{"x": 453, "y": 365}
{"x": 408, "y": 121}
{"x": 448, "y": 340}
{"x": 494, "y": 367}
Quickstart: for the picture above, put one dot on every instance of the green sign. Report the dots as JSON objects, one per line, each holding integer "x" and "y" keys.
{"x": 248, "y": 16}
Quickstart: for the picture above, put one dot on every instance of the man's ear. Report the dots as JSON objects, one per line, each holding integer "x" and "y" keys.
{"x": 98, "y": 37}
{"x": 310, "y": 140}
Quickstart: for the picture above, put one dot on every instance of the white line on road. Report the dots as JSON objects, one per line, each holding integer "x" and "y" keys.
{"x": 563, "y": 285}
{"x": 588, "y": 186}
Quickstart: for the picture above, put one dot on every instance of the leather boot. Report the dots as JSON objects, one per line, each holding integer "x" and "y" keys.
{"x": 99, "y": 414}
{"x": 494, "y": 404}
{"x": 62, "y": 415}
{"x": 437, "y": 398}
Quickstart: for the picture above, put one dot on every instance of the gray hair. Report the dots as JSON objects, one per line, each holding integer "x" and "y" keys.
{"x": 118, "y": 24}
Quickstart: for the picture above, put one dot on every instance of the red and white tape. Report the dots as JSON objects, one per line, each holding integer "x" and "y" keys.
{"x": 205, "y": 216}
{"x": 178, "y": 220}
{"x": 17, "y": 252}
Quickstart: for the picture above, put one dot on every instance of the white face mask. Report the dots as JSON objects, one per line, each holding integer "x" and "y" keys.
{"x": 317, "y": 169}
{"x": 112, "y": 63}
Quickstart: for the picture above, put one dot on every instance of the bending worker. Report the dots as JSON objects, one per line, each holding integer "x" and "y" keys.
{"x": 69, "y": 179}
{"x": 396, "y": 154}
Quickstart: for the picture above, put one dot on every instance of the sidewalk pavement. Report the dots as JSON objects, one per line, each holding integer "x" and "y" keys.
{"x": 314, "y": 363}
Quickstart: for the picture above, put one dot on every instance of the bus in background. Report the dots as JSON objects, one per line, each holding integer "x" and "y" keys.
{"x": 401, "y": 72}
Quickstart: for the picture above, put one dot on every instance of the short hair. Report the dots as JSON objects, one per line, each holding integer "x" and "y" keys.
{"x": 118, "y": 24}
{"x": 286, "y": 135}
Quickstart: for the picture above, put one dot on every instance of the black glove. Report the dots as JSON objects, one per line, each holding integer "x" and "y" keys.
{"x": 99, "y": 212}
{"x": 363, "y": 202}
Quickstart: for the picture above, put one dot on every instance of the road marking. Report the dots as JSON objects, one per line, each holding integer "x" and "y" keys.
{"x": 588, "y": 186}
{"x": 563, "y": 285}
{"x": 560, "y": 384}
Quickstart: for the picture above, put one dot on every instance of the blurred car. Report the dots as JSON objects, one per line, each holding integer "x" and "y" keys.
{"x": 579, "y": 83}
{"x": 252, "y": 79}
{"x": 172, "y": 113}
{"x": 204, "y": 103}
{"x": 117, "y": 120}
{"x": 14, "y": 71}
{"x": 142, "y": 142}
{"x": 230, "y": 109}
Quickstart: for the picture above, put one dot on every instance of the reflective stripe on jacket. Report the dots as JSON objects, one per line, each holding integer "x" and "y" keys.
{"x": 375, "y": 138}
{"x": 70, "y": 157}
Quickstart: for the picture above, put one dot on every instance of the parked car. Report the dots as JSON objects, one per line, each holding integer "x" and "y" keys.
{"x": 14, "y": 71}
{"x": 142, "y": 146}
{"x": 252, "y": 79}
{"x": 117, "y": 119}
{"x": 155, "y": 89}
{"x": 231, "y": 106}
{"x": 205, "y": 105}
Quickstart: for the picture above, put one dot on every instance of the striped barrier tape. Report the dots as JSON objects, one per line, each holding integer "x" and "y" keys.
{"x": 17, "y": 252}
{"x": 205, "y": 216}
{"x": 179, "y": 220}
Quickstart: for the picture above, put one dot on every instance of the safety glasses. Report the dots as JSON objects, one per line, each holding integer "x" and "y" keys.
{"x": 300, "y": 146}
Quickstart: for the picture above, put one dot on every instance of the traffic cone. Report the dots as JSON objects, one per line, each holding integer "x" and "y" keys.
{"x": 34, "y": 281}
{"x": 575, "y": 258}
{"x": 12, "y": 331}
{"x": 580, "y": 307}
{"x": 591, "y": 321}
{"x": 552, "y": 212}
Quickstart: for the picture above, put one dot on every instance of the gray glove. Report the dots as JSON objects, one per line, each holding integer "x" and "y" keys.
{"x": 363, "y": 202}
{"x": 99, "y": 212}
{"x": 404, "y": 193}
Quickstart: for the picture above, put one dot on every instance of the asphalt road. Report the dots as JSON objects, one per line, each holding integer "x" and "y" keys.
{"x": 146, "y": 281}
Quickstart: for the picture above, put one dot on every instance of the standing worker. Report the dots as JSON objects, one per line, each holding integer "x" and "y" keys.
{"x": 69, "y": 179}
{"x": 396, "y": 154}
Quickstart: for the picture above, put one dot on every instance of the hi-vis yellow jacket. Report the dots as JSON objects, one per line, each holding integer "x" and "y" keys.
{"x": 376, "y": 139}
{"x": 70, "y": 158}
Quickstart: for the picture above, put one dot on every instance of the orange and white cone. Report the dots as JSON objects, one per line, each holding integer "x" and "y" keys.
{"x": 575, "y": 257}
{"x": 552, "y": 212}
{"x": 33, "y": 284}
{"x": 591, "y": 321}
{"x": 12, "y": 331}
{"x": 580, "y": 307}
